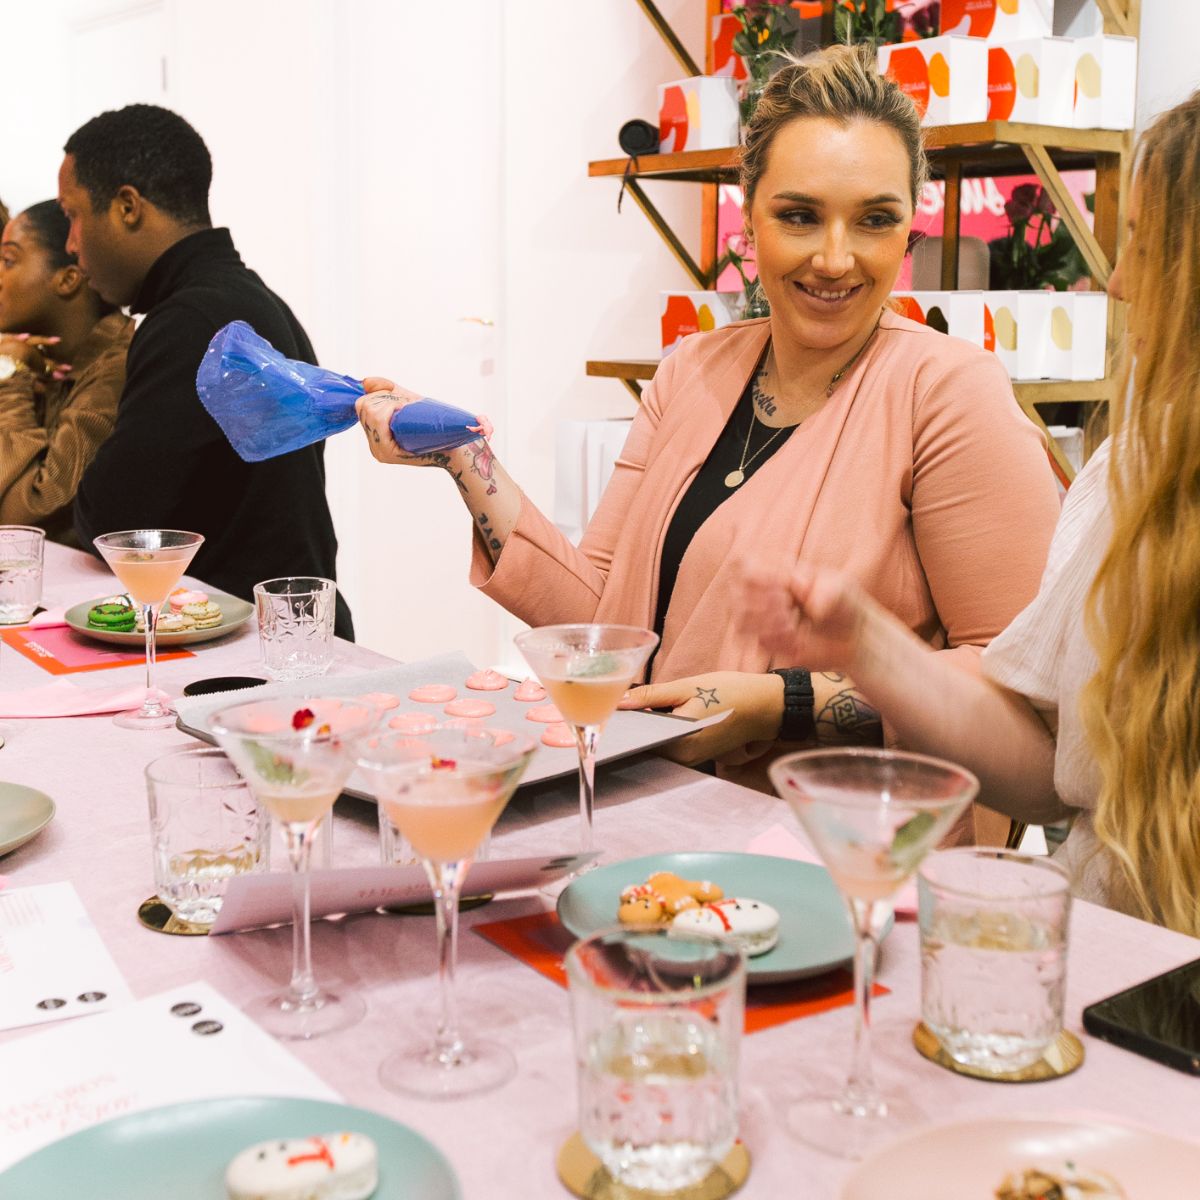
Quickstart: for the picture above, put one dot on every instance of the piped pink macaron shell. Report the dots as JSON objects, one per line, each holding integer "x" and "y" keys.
{"x": 383, "y": 700}
{"x": 413, "y": 722}
{"x": 547, "y": 714}
{"x": 468, "y": 706}
{"x": 530, "y": 691}
{"x": 433, "y": 693}
{"x": 558, "y": 735}
{"x": 487, "y": 681}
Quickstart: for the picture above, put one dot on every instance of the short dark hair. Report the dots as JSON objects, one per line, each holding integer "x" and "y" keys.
{"x": 149, "y": 148}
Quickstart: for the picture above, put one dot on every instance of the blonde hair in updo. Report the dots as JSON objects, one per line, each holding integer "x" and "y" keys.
{"x": 843, "y": 84}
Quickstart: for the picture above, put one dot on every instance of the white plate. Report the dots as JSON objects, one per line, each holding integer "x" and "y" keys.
{"x": 969, "y": 1160}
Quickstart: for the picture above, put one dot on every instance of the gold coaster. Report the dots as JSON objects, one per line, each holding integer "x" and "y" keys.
{"x": 425, "y": 908}
{"x": 1064, "y": 1055}
{"x": 582, "y": 1175}
{"x": 154, "y": 914}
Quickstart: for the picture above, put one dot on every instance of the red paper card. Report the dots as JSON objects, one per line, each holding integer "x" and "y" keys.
{"x": 61, "y": 652}
{"x": 540, "y": 941}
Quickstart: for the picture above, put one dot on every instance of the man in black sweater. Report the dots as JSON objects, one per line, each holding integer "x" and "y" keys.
{"x": 134, "y": 185}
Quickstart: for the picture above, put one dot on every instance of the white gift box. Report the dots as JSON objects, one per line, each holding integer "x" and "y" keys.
{"x": 683, "y": 313}
{"x": 945, "y": 76}
{"x": 1033, "y": 334}
{"x": 697, "y": 114}
{"x": 997, "y": 19}
{"x": 958, "y": 313}
{"x": 1078, "y": 335}
{"x": 1105, "y": 82}
{"x": 1032, "y": 80}
{"x": 1001, "y": 328}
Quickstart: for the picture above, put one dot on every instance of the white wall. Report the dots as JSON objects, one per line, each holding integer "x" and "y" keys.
{"x": 390, "y": 173}
{"x": 392, "y": 166}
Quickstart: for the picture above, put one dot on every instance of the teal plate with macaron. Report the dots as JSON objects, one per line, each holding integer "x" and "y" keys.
{"x": 181, "y": 1151}
{"x": 234, "y": 614}
{"x": 815, "y": 934}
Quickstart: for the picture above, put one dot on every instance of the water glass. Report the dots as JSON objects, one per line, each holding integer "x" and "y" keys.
{"x": 993, "y": 954}
{"x": 21, "y": 548}
{"x": 205, "y": 828}
{"x": 658, "y": 1024}
{"x": 295, "y": 625}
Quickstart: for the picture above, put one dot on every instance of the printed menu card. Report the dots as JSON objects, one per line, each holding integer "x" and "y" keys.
{"x": 189, "y": 1043}
{"x": 53, "y": 964}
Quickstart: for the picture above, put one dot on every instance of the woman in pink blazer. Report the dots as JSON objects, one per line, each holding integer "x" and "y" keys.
{"x": 833, "y": 431}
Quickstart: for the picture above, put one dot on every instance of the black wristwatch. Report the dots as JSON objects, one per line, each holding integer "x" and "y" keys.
{"x": 799, "y": 704}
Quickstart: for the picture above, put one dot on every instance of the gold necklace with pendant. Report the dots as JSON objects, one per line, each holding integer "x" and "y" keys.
{"x": 736, "y": 478}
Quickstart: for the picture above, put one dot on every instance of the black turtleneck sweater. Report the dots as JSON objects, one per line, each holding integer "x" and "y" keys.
{"x": 167, "y": 465}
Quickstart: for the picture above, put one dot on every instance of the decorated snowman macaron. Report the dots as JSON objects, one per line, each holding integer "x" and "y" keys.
{"x": 753, "y": 924}
{"x": 334, "y": 1166}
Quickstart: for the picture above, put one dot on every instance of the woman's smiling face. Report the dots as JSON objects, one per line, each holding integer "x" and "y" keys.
{"x": 830, "y": 219}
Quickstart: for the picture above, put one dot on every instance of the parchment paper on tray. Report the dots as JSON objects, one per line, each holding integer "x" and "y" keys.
{"x": 625, "y": 734}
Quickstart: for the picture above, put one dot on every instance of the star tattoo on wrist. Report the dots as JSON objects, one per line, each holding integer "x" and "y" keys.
{"x": 709, "y": 696}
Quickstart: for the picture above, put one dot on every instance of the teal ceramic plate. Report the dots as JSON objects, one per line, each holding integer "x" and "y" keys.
{"x": 814, "y": 927}
{"x": 24, "y": 813}
{"x": 181, "y": 1151}
{"x": 234, "y": 613}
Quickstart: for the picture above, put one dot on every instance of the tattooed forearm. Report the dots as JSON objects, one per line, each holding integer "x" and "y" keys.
{"x": 709, "y": 696}
{"x": 483, "y": 464}
{"x": 764, "y": 403}
{"x": 847, "y": 717}
{"x": 489, "y": 536}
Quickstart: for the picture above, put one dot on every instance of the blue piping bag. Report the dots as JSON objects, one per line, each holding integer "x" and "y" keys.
{"x": 267, "y": 405}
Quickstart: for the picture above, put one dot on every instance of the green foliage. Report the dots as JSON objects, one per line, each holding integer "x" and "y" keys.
{"x": 865, "y": 21}
{"x": 1038, "y": 252}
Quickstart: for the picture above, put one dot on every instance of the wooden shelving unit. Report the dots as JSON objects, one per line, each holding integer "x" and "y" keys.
{"x": 955, "y": 152}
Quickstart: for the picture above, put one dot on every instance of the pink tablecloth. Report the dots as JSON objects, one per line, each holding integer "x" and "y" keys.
{"x": 503, "y": 1145}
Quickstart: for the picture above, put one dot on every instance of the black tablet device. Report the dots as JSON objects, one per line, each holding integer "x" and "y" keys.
{"x": 1159, "y": 1018}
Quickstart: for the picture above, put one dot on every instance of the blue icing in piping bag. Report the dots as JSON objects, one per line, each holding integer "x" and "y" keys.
{"x": 267, "y": 405}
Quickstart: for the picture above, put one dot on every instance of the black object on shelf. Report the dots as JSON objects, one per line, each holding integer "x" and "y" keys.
{"x": 638, "y": 137}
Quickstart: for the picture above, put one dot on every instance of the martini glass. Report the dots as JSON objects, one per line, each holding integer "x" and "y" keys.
{"x": 294, "y": 755}
{"x": 586, "y": 669}
{"x": 149, "y": 563}
{"x": 444, "y": 790}
{"x": 872, "y": 816}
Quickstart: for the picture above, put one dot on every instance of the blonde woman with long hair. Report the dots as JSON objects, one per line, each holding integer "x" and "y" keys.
{"x": 1091, "y": 705}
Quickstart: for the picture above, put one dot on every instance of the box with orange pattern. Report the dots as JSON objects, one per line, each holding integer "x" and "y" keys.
{"x": 997, "y": 20}
{"x": 945, "y": 76}
{"x": 1000, "y": 314}
{"x": 1032, "y": 80}
{"x": 959, "y": 313}
{"x": 1105, "y": 82}
{"x": 726, "y": 62}
{"x": 685, "y": 313}
{"x": 697, "y": 114}
{"x": 1078, "y": 329}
